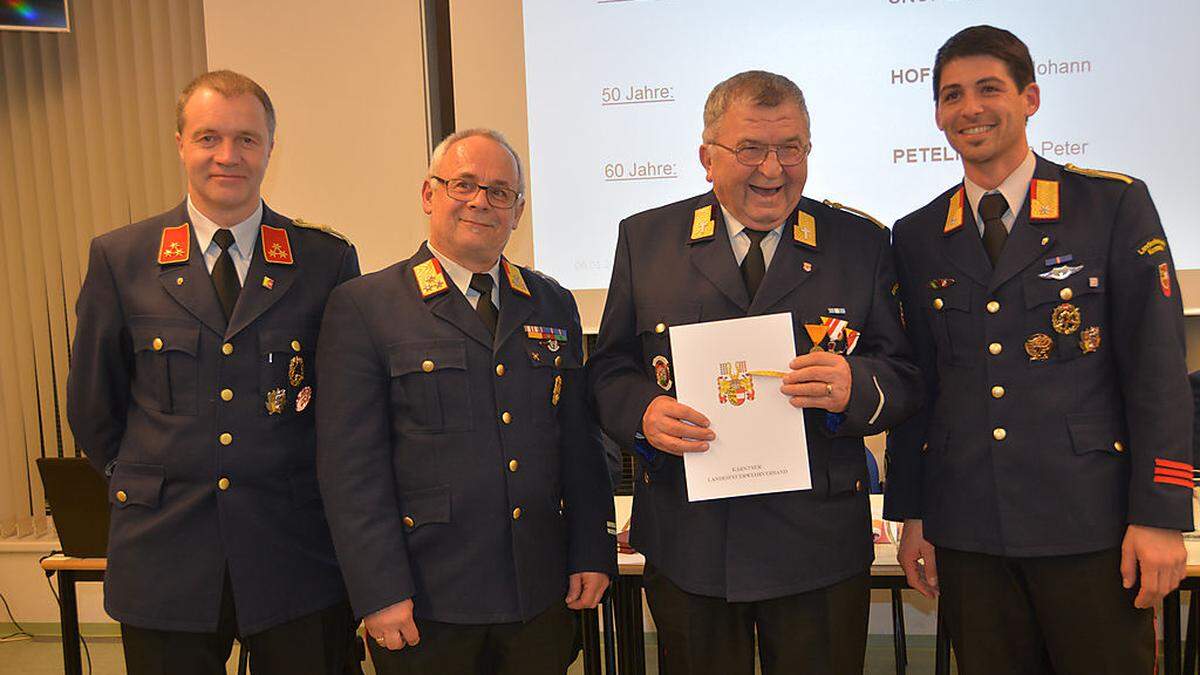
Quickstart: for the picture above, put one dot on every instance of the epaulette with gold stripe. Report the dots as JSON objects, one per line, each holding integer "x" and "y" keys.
{"x": 304, "y": 224}
{"x": 1096, "y": 173}
{"x": 835, "y": 205}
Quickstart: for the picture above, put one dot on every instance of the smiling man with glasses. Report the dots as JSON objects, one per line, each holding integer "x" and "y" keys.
{"x": 787, "y": 570}
{"x": 463, "y": 475}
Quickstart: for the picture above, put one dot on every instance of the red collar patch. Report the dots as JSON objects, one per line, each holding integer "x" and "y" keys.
{"x": 275, "y": 245}
{"x": 175, "y": 245}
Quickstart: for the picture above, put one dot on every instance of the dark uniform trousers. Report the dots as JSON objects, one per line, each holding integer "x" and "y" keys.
{"x": 460, "y": 469}
{"x": 542, "y": 645}
{"x": 204, "y": 426}
{"x": 818, "y": 631}
{"x": 1057, "y": 413}
{"x": 792, "y": 565}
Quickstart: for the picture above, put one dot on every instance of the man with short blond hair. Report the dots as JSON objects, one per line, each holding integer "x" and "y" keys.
{"x": 191, "y": 385}
{"x": 463, "y": 473}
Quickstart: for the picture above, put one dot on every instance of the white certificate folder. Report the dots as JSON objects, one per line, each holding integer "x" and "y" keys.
{"x": 730, "y": 371}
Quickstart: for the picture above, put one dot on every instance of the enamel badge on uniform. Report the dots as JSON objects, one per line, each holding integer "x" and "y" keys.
{"x": 836, "y": 310}
{"x": 275, "y": 245}
{"x": 937, "y": 284}
{"x": 557, "y": 391}
{"x": 703, "y": 224}
{"x": 1065, "y": 318}
{"x": 1043, "y": 200}
{"x": 808, "y": 267}
{"x": 430, "y": 278}
{"x": 805, "y": 230}
{"x": 551, "y": 337}
{"x": 1089, "y": 339}
{"x": 515, "y": 279}
{"x": 1061, "y": 272}
{"x": 662, "y": 371}
{"x": 954, "y": 215}
{"x": 1164, "y": 279}
{"x": 276, "y": 399}
{"x": 303, "y": 399}
{"x": 296, "y": 371}
{"x": 268, "y": 283}
{"x": 1038, "y": 346}
{"x": 175, "y": 246}
{"x": 1059, "y": 260}
{"x": 1152, "y": 246}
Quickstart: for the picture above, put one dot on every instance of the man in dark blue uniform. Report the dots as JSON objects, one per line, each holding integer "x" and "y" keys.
{"x": 191, "y": 387}
{"x": 462, "y": 471}
{"x": 1045, "y": 484}
{"x": 791, "y": 569}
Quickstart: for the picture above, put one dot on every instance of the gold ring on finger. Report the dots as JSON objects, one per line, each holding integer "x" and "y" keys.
{"x": 828, "y": 389}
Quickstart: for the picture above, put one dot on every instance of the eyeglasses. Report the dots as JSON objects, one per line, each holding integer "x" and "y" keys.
{"x": 753, "y": 155}
{"x": 465, "y": 190}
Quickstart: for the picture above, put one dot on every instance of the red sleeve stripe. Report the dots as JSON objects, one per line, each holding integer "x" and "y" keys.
{"x": 1159, "y": 462}
{"x": 1174, "y": 481}
{"x": 1174, "y": 473}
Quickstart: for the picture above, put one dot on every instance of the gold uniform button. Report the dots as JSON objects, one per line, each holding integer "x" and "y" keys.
{"x": 226, "y": 394}
{"x": 427, "y": 365}
{"x": 660, "y": 328}
{"x": 1118, "y": 446}
{"x": 295, "y": 345}
{"x": 995, "y": 348}
{"x": 517, "y": 513}
{"x": 1066, "y": 294}
{"x": 1045, "y": 240}
{"x": 409, "y": 522}
{"x": 997, "y": 392}
{"x": 558, "y": 362}
{"x": 938, "y": 303}
{"x": 227, "y": 349}
{"x": 178, "y": 281}
{"x": 157, "y": 344}
{"x": 993, "y": 307}
{"x": 121, "y": 496}
{"x": 506, "y": 417}
{"x": 225, "y": 438}
{"x": 513, "y": 465}
{"x": 999, "y": 433}
{"x": 223, "y": 484}
{"x": 499, "y": 370}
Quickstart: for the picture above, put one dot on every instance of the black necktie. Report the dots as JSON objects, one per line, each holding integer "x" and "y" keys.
{"x": 485, "y": 308}
{"x": 754, "y": 266}
{"x": 224, "y": 276}
{"x": 991, "y": 207}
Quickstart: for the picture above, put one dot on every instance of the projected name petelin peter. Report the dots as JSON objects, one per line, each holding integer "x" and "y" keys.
{"x": 924, "y": 155}
{"x": 638, "y": 170}
{"x": 636, "y": 93}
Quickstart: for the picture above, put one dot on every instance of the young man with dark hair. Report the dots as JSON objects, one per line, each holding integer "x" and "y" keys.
{"x": 1046, "y": 481}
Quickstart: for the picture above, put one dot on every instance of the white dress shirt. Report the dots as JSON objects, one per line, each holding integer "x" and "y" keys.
{"x": 461, "y": 277}
{"x": 740, "y": 241}
{"x": 1014, "y": 188}
{"x": 245, "y": 234}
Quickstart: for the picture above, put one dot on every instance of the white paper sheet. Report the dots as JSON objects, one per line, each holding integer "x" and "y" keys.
{"x": 760, "y": 445}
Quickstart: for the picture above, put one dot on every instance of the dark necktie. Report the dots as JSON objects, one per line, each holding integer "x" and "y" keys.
{"x": 224, "y": 275}
{"x": 991, "y": 208}
{"x": 485, "y": 308}
{"x": 754, "y": 266}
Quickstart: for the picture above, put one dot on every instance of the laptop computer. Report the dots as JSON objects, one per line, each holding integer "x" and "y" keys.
{"x": 78, "y": 499}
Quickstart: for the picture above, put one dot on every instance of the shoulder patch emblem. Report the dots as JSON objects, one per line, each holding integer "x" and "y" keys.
{"x": 515, "y": 279}
{"x": 1152, "y": 246}
{"x": 275, "y": 245}
{"x": 430, "y": 279}
{"x": 1096, "y": 173}
{"x": 175, "y": 245}
{"x": 1043, "y": 200}
{"x": 304, "y": 224}
{"x": 836, "y": 205}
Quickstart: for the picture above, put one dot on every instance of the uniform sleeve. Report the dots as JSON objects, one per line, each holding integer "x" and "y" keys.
{"x": 885, "y": 385}
{"x": 1146, "y": 324}
{"x": 904, "y": 465}
{"x": 620, "y": 387}
{"x": 354, "y": 460}
{"x": 592, "y": 545}
{"x": 349, "y": 268}
{"x": 101, "y": 365}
